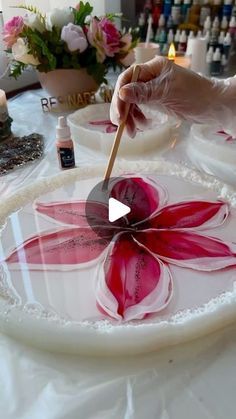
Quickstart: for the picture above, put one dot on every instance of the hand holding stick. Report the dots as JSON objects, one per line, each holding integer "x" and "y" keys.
{"x": 120, "y": 131}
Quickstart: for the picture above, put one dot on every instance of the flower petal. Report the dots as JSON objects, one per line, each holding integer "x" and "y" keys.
{"x": 75, "y": 213}
{"x": 111, "y": 129}
{"x": 190, "y": 214}
{"x": 63, "y": 247}
{"x": 102, "y": 122}
{"x": 132, "y": 282}
{"x": 143, "y": 196}
{"x": 189, "y": 250}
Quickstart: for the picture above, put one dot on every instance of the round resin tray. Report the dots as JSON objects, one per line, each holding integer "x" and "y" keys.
{"x": 56, "y": 306}
{"x": 91, "y": 127}
{"x": 213, "y": 152}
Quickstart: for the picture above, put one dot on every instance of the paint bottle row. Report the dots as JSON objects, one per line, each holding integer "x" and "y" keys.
{"x": 216, "y": 62}
{"x": 186, "y": 14}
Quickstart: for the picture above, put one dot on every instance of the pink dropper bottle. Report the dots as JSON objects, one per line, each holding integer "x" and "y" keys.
{"x": 64, "y": 144}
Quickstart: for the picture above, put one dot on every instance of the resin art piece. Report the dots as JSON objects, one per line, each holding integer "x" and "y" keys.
{"x": 91, "y": 127}
{"x": 213, "y": 151}
{"x": 163, "y": 274}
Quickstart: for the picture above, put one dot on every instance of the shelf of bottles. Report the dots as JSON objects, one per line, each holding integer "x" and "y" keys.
{"x": 180, "y": 20}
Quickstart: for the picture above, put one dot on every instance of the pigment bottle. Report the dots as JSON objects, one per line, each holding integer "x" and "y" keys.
{"x": 216, "y": 63}
{"x": 176, "y": 12}
{"x": 216, "y": 9}
{"x": 182, "y": 42}
{"x": 185, "y": 10}
{"x": 64, "y": 144}
{"x": 232, "y": 27}
{"x": 227, "y": 45}
{"x": 176, "y": 38}
{"x": 205, "y": 11}
{"x": 227, "y": 8}
{"x": 209, "y": 59}
{"x": 207, "y": 24}
{"x": 221, "y": 41}
{"x": 224, "y": 24}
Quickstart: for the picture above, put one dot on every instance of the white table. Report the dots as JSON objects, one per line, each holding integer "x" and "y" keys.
{"x": 196, "y": 380}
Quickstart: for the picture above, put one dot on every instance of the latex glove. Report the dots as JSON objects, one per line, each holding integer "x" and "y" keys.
{"x": 176, "y": 91}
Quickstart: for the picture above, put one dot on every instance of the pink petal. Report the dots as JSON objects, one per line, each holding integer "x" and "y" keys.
{"x": 74, "y": 212}
{"x": 229, "y": 137}
{"x": 191, "y": 214}
{"x": 132, "y": 282}
{"x": 101, "y": 122}
{"x": 143, "y": 196}
{"x": 111, "y": 129}
{"x": 189, "y": 250}
{"x": 63, "y": 247}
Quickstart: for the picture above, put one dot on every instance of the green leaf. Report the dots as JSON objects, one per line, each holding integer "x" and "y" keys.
{"x": 17, "y": 69}
{"x": 97, "y": 71}
{"x": 80, "y": 15}
{"x": 113, "y": 16}
{"x": 66, "y": 61}
{"x": 39, "y": 42}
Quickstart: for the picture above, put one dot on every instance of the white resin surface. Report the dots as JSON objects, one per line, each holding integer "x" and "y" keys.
{"x": 213, "y": 152}
{"x": 57, "y": 310}
{"x": 157, "y": 137}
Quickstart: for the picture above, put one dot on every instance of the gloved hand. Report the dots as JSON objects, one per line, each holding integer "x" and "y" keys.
{"x": 175, "y": 90}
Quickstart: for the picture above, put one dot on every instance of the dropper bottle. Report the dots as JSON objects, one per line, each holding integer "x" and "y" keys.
{"x": 64, "y": 144}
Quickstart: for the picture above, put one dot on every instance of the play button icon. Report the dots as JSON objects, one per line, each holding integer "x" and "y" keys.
{"x": 117, "y": 210}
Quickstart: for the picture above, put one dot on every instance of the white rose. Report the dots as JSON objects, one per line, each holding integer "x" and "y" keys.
{"x": 74, "y": 37}
{"x": 59, "y": 18}
{"x": 33, "y": 21}
{"x": 20, "y": 53}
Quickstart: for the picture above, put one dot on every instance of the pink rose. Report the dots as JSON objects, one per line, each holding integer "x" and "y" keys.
{"x": 112, "y": 36}
{"x": 105, "y": 37}
{"x": 12, "y": 30}
{"x": 74, "y": 37}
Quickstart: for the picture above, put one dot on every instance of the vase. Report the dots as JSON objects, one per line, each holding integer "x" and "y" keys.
{"x": 70, "y": 88}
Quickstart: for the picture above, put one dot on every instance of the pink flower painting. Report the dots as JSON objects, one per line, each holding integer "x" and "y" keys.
{"x": 106, "y": 124}
{"x": 131, "y": 258}
{"x": 228, "y": 137}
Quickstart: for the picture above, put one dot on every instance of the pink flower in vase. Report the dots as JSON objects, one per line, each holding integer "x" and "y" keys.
{"x": 133, "y": 278}
{"x": 12, "y": 30}
{"x": 105, "y": 37}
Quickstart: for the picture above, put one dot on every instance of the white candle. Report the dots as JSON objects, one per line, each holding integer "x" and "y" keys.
{"x": 3, "y": 106}
{"x": 198, "y": 60}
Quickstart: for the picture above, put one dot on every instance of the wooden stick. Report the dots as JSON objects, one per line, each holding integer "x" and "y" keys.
{"x": 120, "y": 131}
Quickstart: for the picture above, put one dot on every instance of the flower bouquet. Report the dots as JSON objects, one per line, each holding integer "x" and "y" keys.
{"x": 68, "y": 38}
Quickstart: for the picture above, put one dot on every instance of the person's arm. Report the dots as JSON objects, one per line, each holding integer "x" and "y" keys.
{"x": 177, "y": 91}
